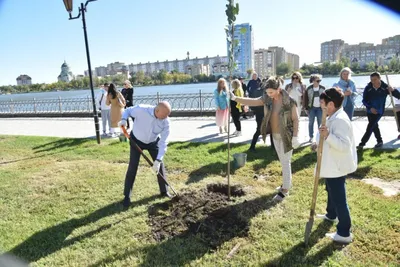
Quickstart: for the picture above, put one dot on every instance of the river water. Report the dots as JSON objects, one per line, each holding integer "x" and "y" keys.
{"x": 361, "y": 82}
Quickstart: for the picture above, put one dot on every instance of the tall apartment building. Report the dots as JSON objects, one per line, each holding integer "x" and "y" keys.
{"x": 114, "y": 68}
{"x": 330, "y": 51}
{"x": 281, "y": 56}
{"x": 24, "y": 79}
{"x": 181, "y": 65}
{"x": 244, "y": 51}
{"x": 101, "y": 71}
{"x": 363, "y": 53}
{"x": 264, "y": 62}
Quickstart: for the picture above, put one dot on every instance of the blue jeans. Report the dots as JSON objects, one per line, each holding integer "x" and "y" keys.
{"x": 349, "y": 109}
{"x": 337, "y": 204}
{"x": 312, "y": 113}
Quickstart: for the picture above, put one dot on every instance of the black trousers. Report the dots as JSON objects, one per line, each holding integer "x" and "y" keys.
{"x": 372, "y": 127}
{"x": 259, "y": 118}
{"x": 134, "y": 163}
{"x": 236, "y": 116}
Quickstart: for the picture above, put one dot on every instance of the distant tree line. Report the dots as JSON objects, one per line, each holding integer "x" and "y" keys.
{"x": 137, "y": 79}
{"x": 328, "y": 68}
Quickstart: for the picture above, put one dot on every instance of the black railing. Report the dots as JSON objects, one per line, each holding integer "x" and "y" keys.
{"x": 194, "y": 104}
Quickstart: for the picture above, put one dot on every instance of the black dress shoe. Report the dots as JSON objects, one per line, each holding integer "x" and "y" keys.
{"x": 126, "y": 202}
{"x": 165, "y": 194}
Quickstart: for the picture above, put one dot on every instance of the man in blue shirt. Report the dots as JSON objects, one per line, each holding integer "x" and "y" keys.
{"x": 150, "y": 132}
{"x": 374, "y": 99}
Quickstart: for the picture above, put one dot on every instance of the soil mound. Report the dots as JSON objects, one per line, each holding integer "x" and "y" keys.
{"x": 207, "y": 213}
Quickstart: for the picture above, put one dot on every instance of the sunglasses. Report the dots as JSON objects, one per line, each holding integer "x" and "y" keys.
{"x": 295, "y": 78}
{"x": 318, "y": 81}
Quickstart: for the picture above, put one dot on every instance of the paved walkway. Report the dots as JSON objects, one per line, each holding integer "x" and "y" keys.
{"x": 182, "y": 129}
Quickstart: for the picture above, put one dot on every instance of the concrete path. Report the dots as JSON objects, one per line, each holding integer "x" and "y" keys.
{"x": 182, "y": 129}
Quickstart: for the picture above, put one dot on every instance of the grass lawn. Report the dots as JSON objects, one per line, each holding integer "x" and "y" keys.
{"x": 59, "y": 206}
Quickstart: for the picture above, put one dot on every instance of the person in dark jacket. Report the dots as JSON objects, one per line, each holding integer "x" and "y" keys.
{"x": 127, "y": 92}
{"x": 254, "y": 83}
{"x": 374, "y": 99}
{"x": 246, "y": 93}
{"x": 259, "y": 113}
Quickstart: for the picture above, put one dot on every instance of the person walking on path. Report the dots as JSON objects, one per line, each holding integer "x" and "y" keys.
{"x": 236, "y": 108}
{"x": 296, "y": 89}
{"x": 221, "y": 99}
{"x": 339, "y": 158}
{"x": 245, "y": 93}
{"x": 127, "y": 92}
{"x": 259, "y": 114}
{"x": 282, "y": 121}
{"x": 374, "y": 99}
{"x": 349, "y": 89}
{"x": 311, "y": 103}
{"x": 104, "y": 109}
{"x": 151, "y": 133}
{"x": 117, "y": 102}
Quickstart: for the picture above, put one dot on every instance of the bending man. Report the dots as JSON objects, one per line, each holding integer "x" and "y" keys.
{"x": 150, "y": 132}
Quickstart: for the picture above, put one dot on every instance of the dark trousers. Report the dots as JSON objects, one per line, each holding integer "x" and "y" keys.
{"x": 236, "y": 116}
{"x": 398, "y": 118}
{"x": 337, "y": 204}
{"x": 134, "y": 163}
{"x": 372, "y": 127}
{"x": 259, "y": 118}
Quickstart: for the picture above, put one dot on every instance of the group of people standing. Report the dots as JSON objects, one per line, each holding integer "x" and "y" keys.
{"x": 282, "y": 108}
{"x": 112, "y": 103}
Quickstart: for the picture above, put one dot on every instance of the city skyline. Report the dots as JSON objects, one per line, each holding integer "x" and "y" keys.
{"x": 37, "y": 44}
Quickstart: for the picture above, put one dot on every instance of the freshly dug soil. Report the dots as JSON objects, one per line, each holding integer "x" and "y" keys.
{"x": 207, "y": 213}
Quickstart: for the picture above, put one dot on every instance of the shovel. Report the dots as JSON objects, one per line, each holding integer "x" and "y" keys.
{"x": 145, "y": 157}
{"x": 310, "y": 222}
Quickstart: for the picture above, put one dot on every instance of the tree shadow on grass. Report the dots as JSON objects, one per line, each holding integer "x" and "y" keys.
{"x": 61, "y": 143}
{"x": 297, "y": 255}
{"x": 35, "y": 157}
{"x": 218, "y": 227}
{"x": 52, "y": 239}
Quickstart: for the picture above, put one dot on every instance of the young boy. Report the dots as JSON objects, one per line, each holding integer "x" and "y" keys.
{"x": 339, "y": 158}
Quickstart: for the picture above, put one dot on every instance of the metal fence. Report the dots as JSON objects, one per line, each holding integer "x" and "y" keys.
{"x": 195, "y": 104}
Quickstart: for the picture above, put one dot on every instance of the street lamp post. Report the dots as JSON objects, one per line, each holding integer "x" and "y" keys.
{"x": 82, "y": 11}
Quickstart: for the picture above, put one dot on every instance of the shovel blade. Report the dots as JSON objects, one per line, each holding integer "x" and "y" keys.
{"x": 307, "y": 232}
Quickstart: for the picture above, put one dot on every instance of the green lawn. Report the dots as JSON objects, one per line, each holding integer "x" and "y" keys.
{"x": 59, "y": 206}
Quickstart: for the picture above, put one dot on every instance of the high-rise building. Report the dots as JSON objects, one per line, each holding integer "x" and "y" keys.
{"x": 331, "y": 50}
{"x": 280, "y": 56}
{"x": 114, "y": 68}
{"x": 264, "y": 62}
{"x": 244, "y": 51}
{"x": 101, "y": 71}
{"x": 24, "y": 79}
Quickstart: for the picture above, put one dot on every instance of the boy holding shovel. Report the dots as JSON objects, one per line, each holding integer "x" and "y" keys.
{"x": 339, "y": 158}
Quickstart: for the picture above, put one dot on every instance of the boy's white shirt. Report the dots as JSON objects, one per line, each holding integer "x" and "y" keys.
{"x": 339, "y": 153}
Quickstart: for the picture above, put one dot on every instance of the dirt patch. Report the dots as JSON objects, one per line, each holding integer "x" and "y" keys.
{"x": 236, "y": 191}
{"x": 206, "y": 214}
{"x": 389, "y": 188}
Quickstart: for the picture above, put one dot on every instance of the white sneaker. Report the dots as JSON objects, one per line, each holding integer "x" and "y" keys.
{"x": 235, "y": 133}
{"x": 337, "y": 238}
{"x": 220, "y": 130}
{"x": 311, "y": 140}
{"x": 323, "y": 216}
{"x": 238, "y": 133}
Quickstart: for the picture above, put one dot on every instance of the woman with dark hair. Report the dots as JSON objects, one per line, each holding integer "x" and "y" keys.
{"x": 282, "y": 122}
{"x": 127, "y": 92}
{"x": 311, "y": 103}
{"x": 117, "y": 102}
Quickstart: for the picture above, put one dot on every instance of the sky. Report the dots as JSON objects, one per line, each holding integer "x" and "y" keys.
{"x": 36, "y": 36}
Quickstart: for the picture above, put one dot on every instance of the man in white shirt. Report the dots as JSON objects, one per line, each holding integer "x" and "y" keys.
{"x": 150, "y": 132}
{"x": 339, "y": 158}
{"x": 105, "y": 110}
